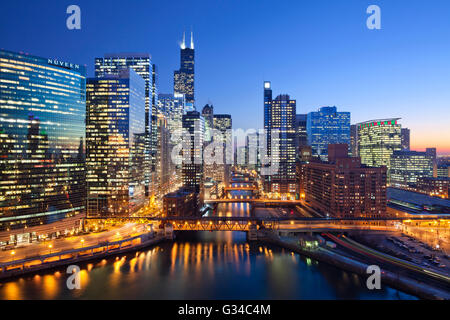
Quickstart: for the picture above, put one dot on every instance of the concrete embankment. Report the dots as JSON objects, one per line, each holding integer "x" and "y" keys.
{"x": 400, "y": 282}
{"x": 80, "y": 255}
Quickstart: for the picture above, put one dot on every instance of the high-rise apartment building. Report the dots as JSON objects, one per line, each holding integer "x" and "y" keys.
{"x": 279, "y": 117}
{"x": 408, "y": 166}
{"x": 115, "y": 143}
{"x": 377, "y": 140}
{"x": 42, "y": 133}
{"x": 327, "y": 126}
{"x": 183, "y": 79}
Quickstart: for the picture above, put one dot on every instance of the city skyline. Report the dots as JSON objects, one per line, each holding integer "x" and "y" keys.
{"x": 224, "y": 150}
{"x": 364, "y": 86}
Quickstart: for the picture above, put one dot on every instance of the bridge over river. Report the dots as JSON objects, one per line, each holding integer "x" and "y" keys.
{"x": 280, "y": 223}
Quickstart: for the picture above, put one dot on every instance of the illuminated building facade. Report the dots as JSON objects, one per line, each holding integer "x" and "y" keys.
{"x": 115, "y": 144}
{"x": 223, "y": 124}
{"x": 164, "y": 165}
{"x": 141, "y": 63}
{"x": 173, "y": 108}
{"x": 42, "y": 133}
{"x": 252, "y": 160}
{"x": 183, "y": 79}
{"x": 443, "y": 171}
{"x": 279, "y": 115}
{"x": 344, "y": 188}
{"x": 438, "y": 187}
{"x": 208, "y": 115}
{"x": 408, "y": 166}
{"x": 192, "y": 167}
{"x": 327, "y": 126}
{"x": 377, "y": 140}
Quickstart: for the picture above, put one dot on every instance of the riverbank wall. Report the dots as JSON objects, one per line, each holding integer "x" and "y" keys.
{"x": 36, "y": 264}
{"x": 400, "y": 282}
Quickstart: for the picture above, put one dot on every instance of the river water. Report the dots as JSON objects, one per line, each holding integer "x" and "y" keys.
{"x": 202, "y": 265}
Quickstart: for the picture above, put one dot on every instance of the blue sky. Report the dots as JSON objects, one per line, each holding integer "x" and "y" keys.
{"x": 320, "y": 52}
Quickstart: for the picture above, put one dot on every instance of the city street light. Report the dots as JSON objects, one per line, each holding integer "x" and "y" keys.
{"x": 12, "y": 254}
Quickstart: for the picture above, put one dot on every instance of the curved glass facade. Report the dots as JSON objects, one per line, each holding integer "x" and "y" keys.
{"x": 42, "y": 133}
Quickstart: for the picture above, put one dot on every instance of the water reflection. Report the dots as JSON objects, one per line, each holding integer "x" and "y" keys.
{"x": 202, "y": 265}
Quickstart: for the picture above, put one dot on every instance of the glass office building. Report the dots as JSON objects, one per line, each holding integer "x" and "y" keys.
{"x": 141, "y": 63}
{"x": 327, "y": 126}
{"x": 42, "y": 132}
{"x": 184, "y": 78}
{"x": 300, "y": 128}
{"x": 192, "y": 167}
{"x": 222, "y": 130}
{"x": 407, "y": 167}
{"x": 377, "y": 140}
{"x": 280, "y": 115}
{"x": 115, "y": 144}
{"x": 172, "y": 107}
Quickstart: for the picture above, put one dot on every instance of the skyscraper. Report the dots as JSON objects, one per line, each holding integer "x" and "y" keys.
{"x": 183, "y": 79}
{"x": 192, "y": 167}
{"x": 327, "y": 126}
{"x": 173, "y": 107}
{"x": 279, "y": 115}
{"x": 42, "y": 132}
{"x": 115, "y": 144}
{"x": 164, "y": 167}
{"x": 405, "y": 139}
{"x": 223, "y": 124}
{"x": 377, "y": 140}
{"x": 354, "y": 140}
{"x": 208, "y": 115}
{"x": 300, "y": 130}
{"x": 253, "y": 160}
{"x": 141, "y": 63}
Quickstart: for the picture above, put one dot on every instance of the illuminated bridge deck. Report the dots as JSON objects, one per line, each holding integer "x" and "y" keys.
{"x": 280, "y": 224}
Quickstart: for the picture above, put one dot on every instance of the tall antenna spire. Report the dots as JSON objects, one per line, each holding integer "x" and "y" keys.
{"x": 192, "y": 40}
{"x": 183, "y": 44}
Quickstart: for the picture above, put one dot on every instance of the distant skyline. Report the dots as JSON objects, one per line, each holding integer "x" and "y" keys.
{"x": 319, "y": 52}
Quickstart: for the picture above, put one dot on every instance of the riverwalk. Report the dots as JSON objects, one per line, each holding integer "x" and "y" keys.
{"x": 101, "y": 250}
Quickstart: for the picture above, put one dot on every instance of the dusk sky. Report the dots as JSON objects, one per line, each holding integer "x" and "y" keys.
{"x": 319, "y": 52}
